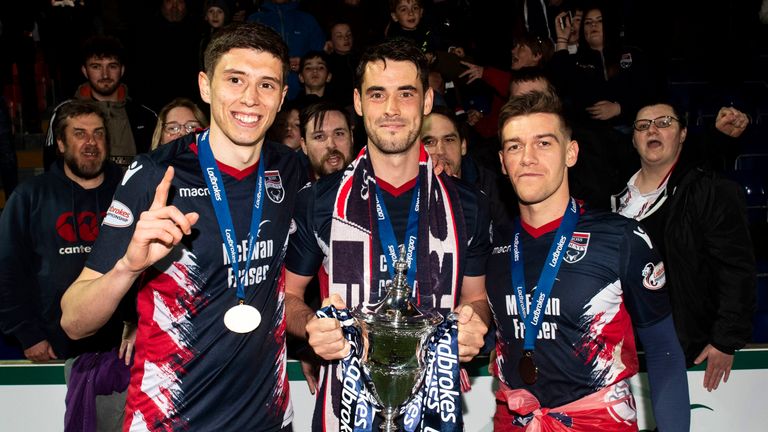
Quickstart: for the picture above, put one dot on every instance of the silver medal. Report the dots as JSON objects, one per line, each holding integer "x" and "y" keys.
{"x": 242, "y": 318}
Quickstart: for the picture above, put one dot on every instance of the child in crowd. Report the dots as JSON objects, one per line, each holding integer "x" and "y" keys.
{"x": 342, "y": 61}
{"x": 217, "y": 16}
{"x": 407, "y": 23}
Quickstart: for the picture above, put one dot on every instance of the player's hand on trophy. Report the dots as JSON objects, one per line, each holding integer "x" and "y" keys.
{"x": 158, "y": 229}
{"x": 472, "y": 329}
{"x": 325, "y": 335}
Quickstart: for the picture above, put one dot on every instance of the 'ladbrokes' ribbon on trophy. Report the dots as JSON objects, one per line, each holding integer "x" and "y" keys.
{"x": 437, "y": 402}
{"x": 355, "y": 397}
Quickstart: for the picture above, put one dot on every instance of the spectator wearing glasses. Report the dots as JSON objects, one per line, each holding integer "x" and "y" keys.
{"x": 697, "y": 220}
{"x": 180, "y": 117}
{"x": 129, "y": 123}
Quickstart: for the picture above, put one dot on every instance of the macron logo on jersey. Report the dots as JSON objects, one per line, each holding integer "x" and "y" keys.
{"x": 642, "y": 234}
{"x": 118, "y": 215}
{"x": 193, "y": 192}
{"x": 133, "y": 169}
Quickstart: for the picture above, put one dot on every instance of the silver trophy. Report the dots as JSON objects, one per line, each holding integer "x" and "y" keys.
{"x": 396, "y": 330}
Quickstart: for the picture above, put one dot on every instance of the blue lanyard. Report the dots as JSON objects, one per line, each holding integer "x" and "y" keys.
{"x": 534, "y": 318}
{"x": 389, "y": 241}
{"x": 215, "y": 183}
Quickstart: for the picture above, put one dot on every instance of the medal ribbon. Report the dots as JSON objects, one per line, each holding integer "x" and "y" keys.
{"x": 389, "y": 241}
{"x": 213, "y": 179}
{"x": 533, "y": 319}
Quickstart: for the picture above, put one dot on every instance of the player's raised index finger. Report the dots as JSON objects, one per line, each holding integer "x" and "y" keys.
{"x": 161, "y": 192}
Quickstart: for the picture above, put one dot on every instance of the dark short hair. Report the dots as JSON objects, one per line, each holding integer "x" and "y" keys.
{"x": 313, "y": 54}
{"x": 538, "y": 45}
{"x": 75, "y": 108}
{"x": 395, "y": 49}
{"x": 316, "y": 113}
{"x": 249, "y": 36}
{"x": 393, "y": 4}
{"x": 533, "y": 103}
{"x": 101, "y": 46}
{"x": 339, "y": 21}
{"x": 446, "y": 112}
{"x": 530, "y": 74}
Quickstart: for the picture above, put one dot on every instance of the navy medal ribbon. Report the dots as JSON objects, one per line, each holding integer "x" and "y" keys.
{"x": 533, "y": 319}
{"x": 215, "y": 182}
{"x": 389, "y": 241}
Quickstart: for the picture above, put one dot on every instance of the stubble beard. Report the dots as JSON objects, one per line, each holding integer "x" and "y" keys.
{"x": 392, "y": 146}
{"x": 105, "y": 91}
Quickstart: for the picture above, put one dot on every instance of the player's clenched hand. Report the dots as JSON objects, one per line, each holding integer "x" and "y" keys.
{"x": 472, "y": 329}
{"x": 158, "y": 229}
{"x": 325, "y": 335}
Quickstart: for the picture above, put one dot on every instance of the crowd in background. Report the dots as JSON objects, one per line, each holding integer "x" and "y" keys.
{"x": 632, "y": 77}
{"x": 702, "y": 59}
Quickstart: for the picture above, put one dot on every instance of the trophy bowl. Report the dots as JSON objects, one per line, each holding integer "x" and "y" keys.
{"x": 396, "y": 330}
{"x": 394, "y": 358}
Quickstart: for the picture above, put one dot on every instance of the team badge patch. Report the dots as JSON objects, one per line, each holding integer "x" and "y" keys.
{"x": 118, "y": 215}
{"x": 653, "y": 276}
{"x": 626, "y": 61}
{"x": 577, "y": 248}
{"x": 274, "y": 186}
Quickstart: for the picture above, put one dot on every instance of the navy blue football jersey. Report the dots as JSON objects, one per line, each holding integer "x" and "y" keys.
{"x": 309, "y": 247}
{"x": 611, "y": 278}
{"x": 190, "y": 372}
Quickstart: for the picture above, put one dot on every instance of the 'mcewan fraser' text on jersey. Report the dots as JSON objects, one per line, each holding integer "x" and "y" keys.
{"x": 190, "y": 372}
{"x": 611, "y": 277}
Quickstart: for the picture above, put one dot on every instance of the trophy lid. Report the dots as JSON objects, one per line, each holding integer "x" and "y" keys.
{"x": 396, "y": 309}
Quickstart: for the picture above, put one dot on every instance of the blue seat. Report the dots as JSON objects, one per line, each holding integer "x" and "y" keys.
{"x": 10, "y": 348}
{"x": 753, "y": 179}
{"x": 760, "y": 321}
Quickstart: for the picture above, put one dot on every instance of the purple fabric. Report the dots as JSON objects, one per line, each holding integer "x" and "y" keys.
{"x": 92, "y": 374}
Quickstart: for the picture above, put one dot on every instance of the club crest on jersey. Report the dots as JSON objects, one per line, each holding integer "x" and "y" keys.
{"x": 577, "y": 248}
{"x": 626, "y": 61}
{"x": 653, "y": 276}
{"x": 274, "y": 186}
